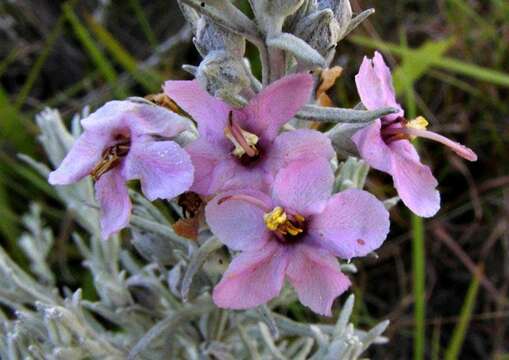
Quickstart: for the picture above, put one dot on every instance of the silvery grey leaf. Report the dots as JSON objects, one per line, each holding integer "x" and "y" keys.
{"x": 341, "y": 138}
{"x": 390, "y": 203}
{"x": 356, "y": 21}
{"x": 197, "y": 259}
{"x": 191, "y": 69}
{"x": 268, "y": 319}
{"x": 225, "y": 14}
{"x": 341, "y": 115}
{"x": 189, "y": 13}
{"x": 344, "y": 316}
{"x": 153, "y": 247}
{"x": 297, "y": 47}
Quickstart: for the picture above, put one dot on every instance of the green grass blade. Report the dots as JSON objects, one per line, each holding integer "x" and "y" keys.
{"x": 453, "y": 350}
{"x": 39, "y": 63}
{"x": 93, "y": 51}
{"x": 412, "y": 68}
{"x": 450, "y": 64}
{"x": 145, "y": 25}
{"x": 8, "y": 226}
{"x": 149, "y": 80}
{"x": 419, "y": 288}
{"x": 416, "y": 64}
{"x": 14, "y": 127}
{"x": 9, "y": 59}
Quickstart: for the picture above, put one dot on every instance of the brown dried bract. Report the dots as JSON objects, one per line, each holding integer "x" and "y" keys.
{"x": 329, "y": 77}
{"x": 164, "y": 101}
{"x": 192, "y": 209}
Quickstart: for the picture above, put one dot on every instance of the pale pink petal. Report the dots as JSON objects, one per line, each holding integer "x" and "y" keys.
{"x": 210, "y": 113}
{"x": 297, "y": 145}
{"x": 354, "y": 223}
{"x": 230, "y": 174}
{"x": 163, "y": 168}
{"x": 253, "y": 278}
{"x": 315, "y": 275}
{"x": 236, "y": 218}
{"x": 414, "y": 181}
{"x": 205, "y": 157}
{"x": 111, "y": 193}
{"x": 134, "y": 119}
{"x": 372, "y": 148}
{"x": 157, "y": 120}
{"x": 278, "y": 103}
{"x": 304, "y": 186}
{"x": 374, "y": 84}
{"x": 111, "y": 117}
{"x": 84, "y": 155}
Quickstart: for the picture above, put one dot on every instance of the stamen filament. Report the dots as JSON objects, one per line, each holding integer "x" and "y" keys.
{"x": 247, "y": 198}
{"x": 244, "y": 141}
{"x": 458, "y": 148}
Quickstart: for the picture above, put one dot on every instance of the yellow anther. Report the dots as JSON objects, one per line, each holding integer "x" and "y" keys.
{"x": 292, "y": 229}
{"x": 278, "y": 221}
{"x": 275, "y": 218}
{"x": 419, "y": 123}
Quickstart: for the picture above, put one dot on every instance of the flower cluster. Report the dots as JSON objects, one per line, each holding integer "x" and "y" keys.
{"x": 268, "y": 187}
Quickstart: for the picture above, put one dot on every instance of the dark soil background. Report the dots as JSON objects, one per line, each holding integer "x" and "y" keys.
{"x": 44, "y": 61}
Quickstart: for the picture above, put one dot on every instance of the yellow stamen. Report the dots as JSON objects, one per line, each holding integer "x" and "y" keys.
{"x": 244, "y": 141}
{"x": 278, "y": 221}
{"x": 110, "y": 159}
{"x": 275, "y": 218}
{"x": 419, "y": 123}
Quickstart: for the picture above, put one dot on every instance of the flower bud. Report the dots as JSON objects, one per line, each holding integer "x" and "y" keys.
{"x": 342, "y": 13}
{"x": 211, "y": 37}
{"x": 320, "y": 30}
{"x": 222, "y": 76}
{"x": 281, "y": 8}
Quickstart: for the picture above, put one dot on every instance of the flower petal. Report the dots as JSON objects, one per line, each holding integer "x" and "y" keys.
{"x": 414, "y": 181}
{"x": 278, "y": 103}
{"x": 253, "y": 278}
{"x": 112, "y": 116}
{"x": 304, "y": 186}
{"x": 238, "y": 223}
{"x": 374, "y": 84}
{"x": 296, "y": 145}
{"x": 372, "y": 148}
{"x": 157, "y": 120}
{"x": 210, "y": 113}
{"x": 205, "y": 157}
{"x": 229, "y": 174}
{"x": 134, "y": 119}
{"x": 112, "y": 195}
{"x": 85, "y": 153}
{"x": 316, "y": 276}
{"x": 354, "y": 223}
{"x": 163, "y": 168}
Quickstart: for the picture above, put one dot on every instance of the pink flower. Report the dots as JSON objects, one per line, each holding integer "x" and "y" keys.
{"x": 123, "y": 141}
{"x": 385, "y": 144}
{"x": 294, "y": 234}
{"x": 241, "y": 147}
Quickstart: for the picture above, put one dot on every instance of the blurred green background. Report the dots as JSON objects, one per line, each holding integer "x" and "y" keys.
{"x": 443, "y": 282}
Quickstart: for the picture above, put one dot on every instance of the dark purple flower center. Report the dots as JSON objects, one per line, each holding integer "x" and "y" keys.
{"x": 392, "y": 130}
{"x": 111, "y": 156}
